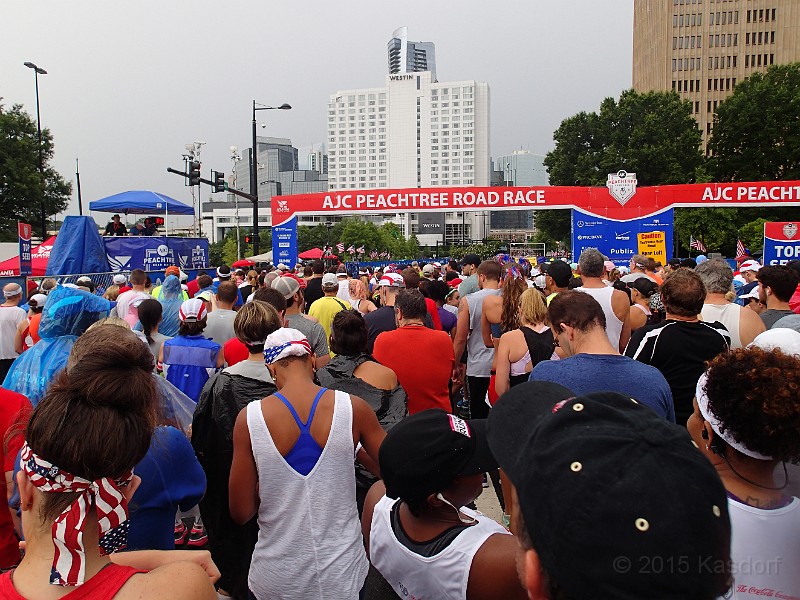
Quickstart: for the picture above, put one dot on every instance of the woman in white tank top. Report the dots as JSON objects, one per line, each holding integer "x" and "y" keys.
{"x": 293, "y": 468}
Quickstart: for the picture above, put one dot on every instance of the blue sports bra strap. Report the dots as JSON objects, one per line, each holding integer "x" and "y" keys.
{"x": 314, "y": 406}
{"x": 288, "y": 405}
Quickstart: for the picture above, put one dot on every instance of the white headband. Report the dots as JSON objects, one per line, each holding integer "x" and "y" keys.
{"x": 702, "y": 403}
{"x": 13, "y": 291}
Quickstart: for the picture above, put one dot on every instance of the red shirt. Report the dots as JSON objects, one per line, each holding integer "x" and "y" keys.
{"x": 15, "y": 410}
{"x": 423, "y": 361}
{"x": 234, "y": 352}
{"x": 123, "y": 289}
{"x": 103, "y": 586}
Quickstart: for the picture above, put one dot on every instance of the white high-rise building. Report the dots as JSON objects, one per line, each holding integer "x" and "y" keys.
{"x": 413, "y": 132}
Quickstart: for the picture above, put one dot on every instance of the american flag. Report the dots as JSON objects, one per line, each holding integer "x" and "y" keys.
{"x": 340, "y": 247}
{"x": 108, "y": 500}
{"x": 360, "y": 250}
{"x": 383, "y": 254}
{"x": 696, "y": 244}
{"x": 373, "y": 254}
{"x": 740, "y": 249}
{"x": 351, "y": 249}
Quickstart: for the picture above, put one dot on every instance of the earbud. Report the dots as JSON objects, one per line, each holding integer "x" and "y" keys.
{"x": 468, "y": 521}
{"x": 704, "y": 434}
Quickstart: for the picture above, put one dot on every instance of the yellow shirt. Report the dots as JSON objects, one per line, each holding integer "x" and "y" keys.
{"x": 324, "y": 310}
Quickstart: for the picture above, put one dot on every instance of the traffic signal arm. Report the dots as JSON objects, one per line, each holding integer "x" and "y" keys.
{"x": 211, "y": 183}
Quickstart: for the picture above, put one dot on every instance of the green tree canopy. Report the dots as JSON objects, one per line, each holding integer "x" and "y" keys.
{"x": 756, "y": 135}
{"x": 653, "y": 135}
{"x": 21, "y": 187}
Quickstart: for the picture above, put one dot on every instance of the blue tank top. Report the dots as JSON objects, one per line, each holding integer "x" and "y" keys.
{"x": 306, "y": 451}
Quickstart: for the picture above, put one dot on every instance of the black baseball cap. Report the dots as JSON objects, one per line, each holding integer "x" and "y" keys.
{"x": 425, "y": 452}
{"x": 471, "y": 259}
{"x": 606, "y": 485}
{"x": 560, "y": 271}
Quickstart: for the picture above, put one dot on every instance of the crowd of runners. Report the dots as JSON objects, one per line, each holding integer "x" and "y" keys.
{"x": 310, "y": 432}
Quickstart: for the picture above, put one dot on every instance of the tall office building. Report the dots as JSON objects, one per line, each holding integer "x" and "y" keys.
{"x": 413, "y": 132}
{"x": 410, "y": 57}
{"x": 702, "y": 49}
{"x": 520, "y": 168}
{"x": 278, "y": 175}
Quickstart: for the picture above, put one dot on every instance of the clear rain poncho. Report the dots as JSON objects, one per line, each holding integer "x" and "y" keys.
{"x": 66, "y": 315}
{"x": 171, "y": 297}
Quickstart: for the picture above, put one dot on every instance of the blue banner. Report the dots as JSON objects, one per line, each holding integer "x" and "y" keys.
{"x": 781, "y": 243}
{"x": 617, "y": 239}
{"x": 156, "y": 253}
{"x": 24, "y": 232}
{"x": 284, "y": 243}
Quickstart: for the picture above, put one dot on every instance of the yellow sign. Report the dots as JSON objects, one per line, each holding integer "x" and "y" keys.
{"x": 654, "y": 245}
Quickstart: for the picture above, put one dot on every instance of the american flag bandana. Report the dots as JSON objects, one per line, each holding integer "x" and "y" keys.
{"x": 69, "y": 562}
{"x": 290, "y": 348}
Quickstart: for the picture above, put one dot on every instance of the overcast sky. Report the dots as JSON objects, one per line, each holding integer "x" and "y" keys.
{"x": 130, "y": 84}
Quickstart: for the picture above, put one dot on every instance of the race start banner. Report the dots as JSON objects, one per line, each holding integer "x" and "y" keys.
{"x": 781, "y": 243}
{"x": 619, "y": 240}
{"x": 653, "y": 245}
{"x": 156, "y": 253}
{"x": 24, "y": 233}
{"x": 620, "y": 201}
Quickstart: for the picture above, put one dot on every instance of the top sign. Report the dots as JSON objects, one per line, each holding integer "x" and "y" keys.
{"x": 24, "y": 234}
{"x": 781, "y": 243}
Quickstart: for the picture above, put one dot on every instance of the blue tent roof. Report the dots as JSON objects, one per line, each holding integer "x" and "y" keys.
{"x": 78, "y": 249}
{"x": 141, "y": 202}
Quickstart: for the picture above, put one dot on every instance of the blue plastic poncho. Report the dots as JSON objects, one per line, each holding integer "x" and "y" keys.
{"x": 171, "y": 297}
{"x": 66, "y": 315}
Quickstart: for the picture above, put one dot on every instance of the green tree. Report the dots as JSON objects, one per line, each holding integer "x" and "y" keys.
{"x": 552, "y": 226}
{"x": 653, "y": 135}
{"x": 22, "y": 190}
{"x": 756, "y": 135}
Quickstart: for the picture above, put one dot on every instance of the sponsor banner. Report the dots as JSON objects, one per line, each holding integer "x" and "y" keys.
{"x": 284, "y": 242}
{"x": 619, "y": 240}
{"x": 156, "y": 253}
{"x": 24, "y": 234}
{"x": 627, "y": 202}
{"x": 654, "y": 245}
{"x": 431, "y": 223}
{"x": 781, "y": 243}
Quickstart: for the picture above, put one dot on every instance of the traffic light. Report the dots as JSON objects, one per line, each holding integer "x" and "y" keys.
{"x": 248, "y": 239}
{"x": 219, "y": 181}
{"x": 194, "y": 173}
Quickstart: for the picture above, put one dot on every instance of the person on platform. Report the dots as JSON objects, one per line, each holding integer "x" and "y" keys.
{"x": 115, "y": 227}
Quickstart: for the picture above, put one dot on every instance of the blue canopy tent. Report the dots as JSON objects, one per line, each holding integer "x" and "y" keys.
{"x": 142, "y": 202}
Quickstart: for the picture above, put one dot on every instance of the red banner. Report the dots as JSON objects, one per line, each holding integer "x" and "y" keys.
{"x": 594, "y": 200}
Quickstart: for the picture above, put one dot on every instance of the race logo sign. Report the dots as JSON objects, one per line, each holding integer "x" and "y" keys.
{"x": 622, "y": 186}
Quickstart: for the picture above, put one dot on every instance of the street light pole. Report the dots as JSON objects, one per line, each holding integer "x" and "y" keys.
{"x": 254, "y": 171}
{"x": 37, "y": 70}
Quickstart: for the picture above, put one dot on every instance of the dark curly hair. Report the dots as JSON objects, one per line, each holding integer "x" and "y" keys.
{"x": 755, "y": 394}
